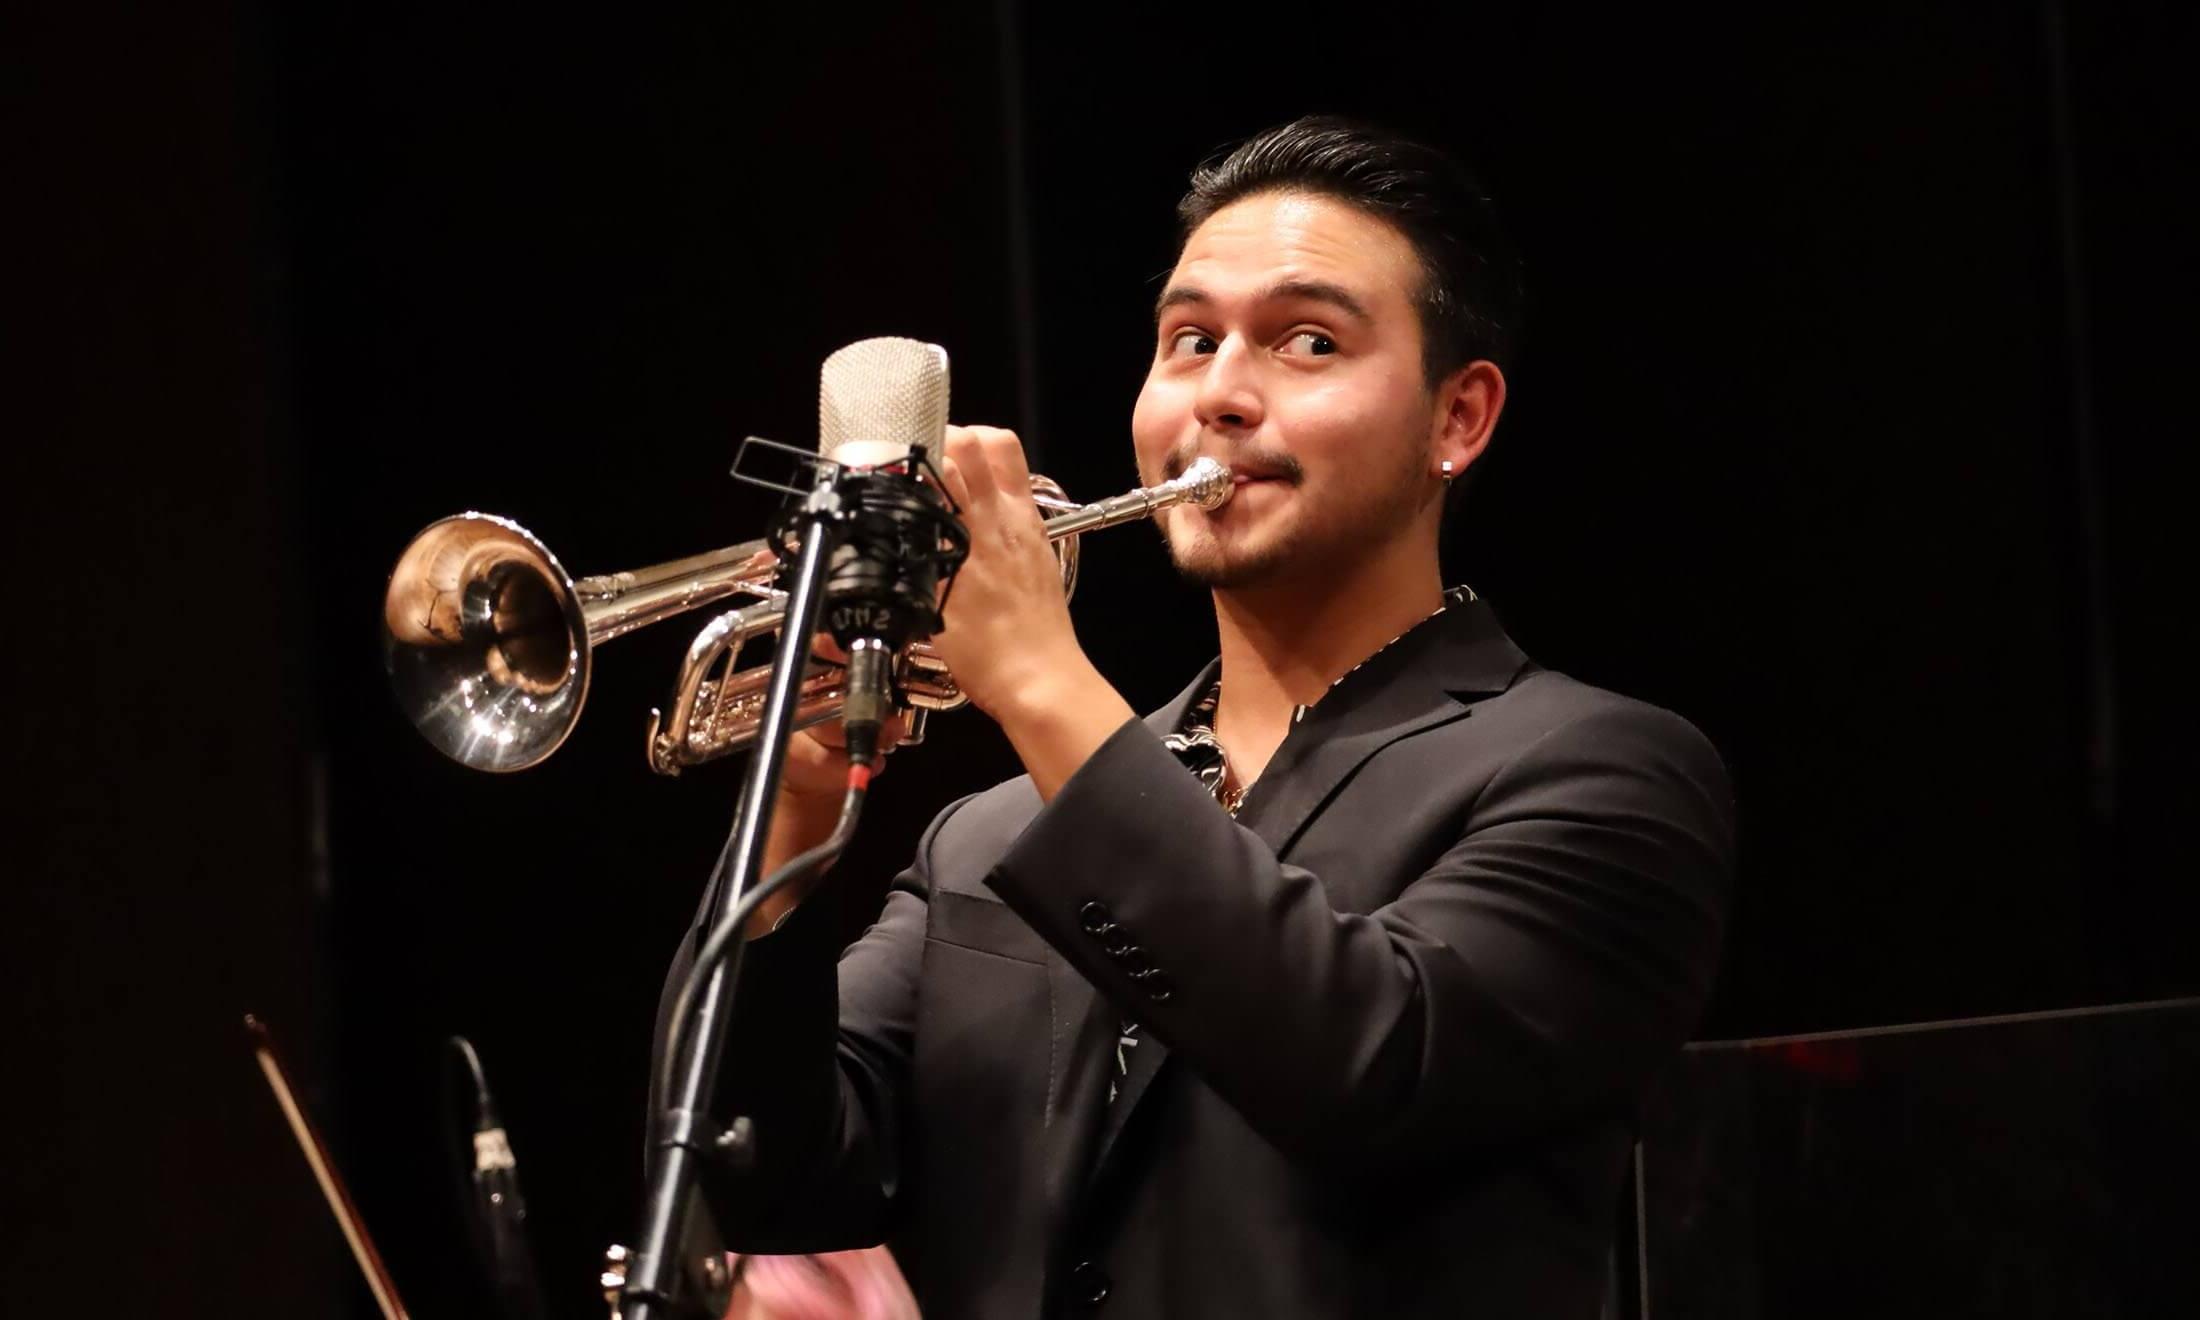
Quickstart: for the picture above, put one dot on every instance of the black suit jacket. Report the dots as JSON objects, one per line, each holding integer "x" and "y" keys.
{"x": 1399, "y": 1013}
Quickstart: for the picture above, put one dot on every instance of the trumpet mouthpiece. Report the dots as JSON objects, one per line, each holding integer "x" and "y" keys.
{"x": 1208, "y": 484}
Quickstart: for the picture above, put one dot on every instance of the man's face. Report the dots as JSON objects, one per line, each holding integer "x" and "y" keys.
{"x": 1287, "y": 345}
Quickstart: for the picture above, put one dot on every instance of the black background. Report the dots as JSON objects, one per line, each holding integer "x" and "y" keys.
{"x": 1846, "y": 426}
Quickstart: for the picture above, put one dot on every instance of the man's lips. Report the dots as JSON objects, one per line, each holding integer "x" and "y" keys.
{"x": 1249, "y": 469}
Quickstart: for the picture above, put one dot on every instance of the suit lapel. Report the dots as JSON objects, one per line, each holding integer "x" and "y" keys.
{"x": 1461, "y": 654}
{"x": 1423, "y": 680}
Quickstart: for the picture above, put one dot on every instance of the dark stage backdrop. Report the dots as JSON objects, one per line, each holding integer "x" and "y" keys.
{"x": 1843, "y": 428}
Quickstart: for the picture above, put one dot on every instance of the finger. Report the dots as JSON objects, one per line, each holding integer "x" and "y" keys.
{"x": 828, "y": 734}
{"x": 1021, "y": 517}
{"x": 952, "y": 478}
{"x": 951, "y": 481}
{"x": 966, "y": 449}
{"x": 833, "y": 734}
{"x": 1005, "y": 459}
{"x": 1017, "y": 513}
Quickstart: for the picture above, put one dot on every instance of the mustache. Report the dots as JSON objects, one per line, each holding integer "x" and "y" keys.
{"x": 1270, "y": 464}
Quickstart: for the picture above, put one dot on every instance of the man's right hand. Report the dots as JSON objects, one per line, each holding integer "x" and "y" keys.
{"x": 812, "y": 785}
{"x": 816, "y": 772}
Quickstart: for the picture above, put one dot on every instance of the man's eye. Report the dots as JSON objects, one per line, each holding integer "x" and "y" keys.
{"x": 1311, "y": 343}
{"x": 1188, "y": 343}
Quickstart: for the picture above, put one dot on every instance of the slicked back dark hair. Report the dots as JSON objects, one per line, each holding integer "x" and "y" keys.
{"x": 1470, "y": 294}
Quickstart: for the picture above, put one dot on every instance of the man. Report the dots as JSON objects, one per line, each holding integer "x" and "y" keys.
{"x": 1330, "y": 988}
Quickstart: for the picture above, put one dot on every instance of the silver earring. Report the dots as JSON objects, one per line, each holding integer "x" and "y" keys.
{"x": 1447, "y": 472}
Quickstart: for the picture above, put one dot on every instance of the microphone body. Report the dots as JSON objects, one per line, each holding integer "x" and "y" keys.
{"x": 882, "y": 411}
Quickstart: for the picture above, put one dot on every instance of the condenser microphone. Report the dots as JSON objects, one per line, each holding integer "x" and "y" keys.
{"x": 881, "y": 413}
{"x": 877, "y": 399}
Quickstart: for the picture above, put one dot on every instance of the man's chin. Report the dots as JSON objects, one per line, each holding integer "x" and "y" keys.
{"x": 1220, "y": 567}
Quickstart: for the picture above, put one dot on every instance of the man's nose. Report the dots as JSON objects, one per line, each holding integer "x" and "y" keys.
{"x": 1229, "y": 390}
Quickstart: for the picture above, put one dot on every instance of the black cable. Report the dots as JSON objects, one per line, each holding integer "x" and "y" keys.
{"x": 470, "y": 1063}
{"x": 729, "y": 928}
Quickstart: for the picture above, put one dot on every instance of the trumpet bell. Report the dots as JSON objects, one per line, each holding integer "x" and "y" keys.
{"x": 485, "y": 642}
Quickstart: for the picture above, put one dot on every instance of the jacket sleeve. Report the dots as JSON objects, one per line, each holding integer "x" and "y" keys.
{"x": 817, "y": 1057}
{"x": 1537, "y": 973}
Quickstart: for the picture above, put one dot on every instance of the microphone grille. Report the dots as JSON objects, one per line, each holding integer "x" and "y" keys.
{"x": 877, "y": 398}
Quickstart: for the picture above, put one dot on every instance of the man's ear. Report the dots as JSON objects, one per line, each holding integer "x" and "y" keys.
{"x": 1468, "y": 404}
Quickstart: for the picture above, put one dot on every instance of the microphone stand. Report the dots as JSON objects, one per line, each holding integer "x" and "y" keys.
{"x": 683, "y": 1133}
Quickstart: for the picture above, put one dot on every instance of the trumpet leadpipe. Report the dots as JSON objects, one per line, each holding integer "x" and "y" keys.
{"x": 1205, "y": 483}
{"x": 615, "y": 604}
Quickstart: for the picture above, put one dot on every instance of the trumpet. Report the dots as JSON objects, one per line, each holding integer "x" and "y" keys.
{"x": 489, "y": 642}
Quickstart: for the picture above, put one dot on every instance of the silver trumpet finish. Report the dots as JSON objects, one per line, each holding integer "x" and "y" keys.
{"x": 488, "y": 640}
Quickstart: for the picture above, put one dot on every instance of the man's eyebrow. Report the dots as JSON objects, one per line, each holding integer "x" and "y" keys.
{"x": 1176, "y": 295}
{"x": 1336, "y": 295}
{"x": 1322, "y": 291}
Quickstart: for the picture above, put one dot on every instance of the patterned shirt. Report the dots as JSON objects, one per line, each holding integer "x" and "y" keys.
{"x": 1196, "y": 745}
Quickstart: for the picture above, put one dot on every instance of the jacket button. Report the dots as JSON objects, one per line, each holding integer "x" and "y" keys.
{"x": 1117, "y": 942}
{"x": 1136, "y": 962}
{"x": 1095, "y": 917}
{"x": 1157, "y": 984}
{"x": 1088, "y": 1284}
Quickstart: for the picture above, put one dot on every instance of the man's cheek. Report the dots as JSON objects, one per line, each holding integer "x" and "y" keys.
{"x": 1144, "y": 447}
{"x": 1151, "y": 448}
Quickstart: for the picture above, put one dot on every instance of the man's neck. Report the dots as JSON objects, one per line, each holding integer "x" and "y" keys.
{"x": 1285, "y": 643}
